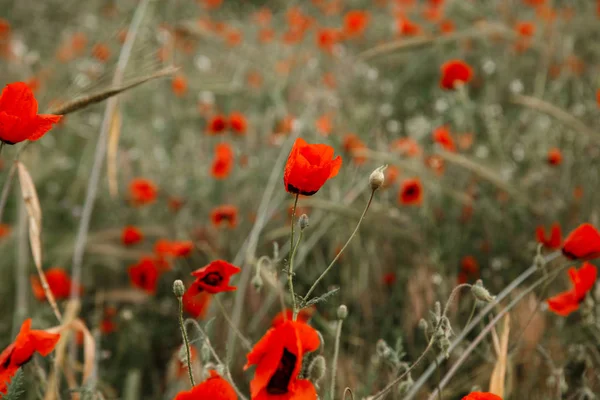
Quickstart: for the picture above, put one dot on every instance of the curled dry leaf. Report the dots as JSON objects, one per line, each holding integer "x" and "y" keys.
{"x": 113, "y": 147}
{"x": 497, "y": 379}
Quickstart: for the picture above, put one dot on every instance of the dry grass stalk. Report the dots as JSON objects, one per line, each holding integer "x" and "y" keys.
{"x": 501, "y": 346}
{"x": 114, "y": 134}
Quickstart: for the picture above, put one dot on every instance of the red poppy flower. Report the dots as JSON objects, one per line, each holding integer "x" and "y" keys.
{"x": 214, "y": 388}
{"x": 555, "y": 239}
{"x": 27, "y": 343}
{"x": 353, "y": 144}
{"x": 131, "y": 235}
{"x": 443, "y": 137}
{"x": 583, "y": 243}
{"x": 175, "y": 203}
{"x": 406, "y": 146}
{"x": 179, "y": 85}
{"x": 554, "y": 156}
{"x": 224, "y": 213}
{"x": 388, "y": 279}
{"x": 355, "y": 22}
{"x": 214, "y": 278}
{"x": 168, "y": 248}
{"x": 144, "y": 275}
{"x": 217, "y": 125}
{"x": 101, "y": 52}
{"x": 327, "y": 38}
{"x": 19, "y": 119}
{"x": 4, "y": 230}
{"x": 391, "y": 175}
{"x": 278, "y": 359}
{"x": 447, "y": 26}
{"x": 107, "y": 325}
{"x": 481, "y": 396}
{"x": 469, "y": 270}
{"x": 309, "y": 166}
{"x": 142, "y": 191}
{"x": 583, "y": 280}
{"x": 411, "y": 192}
{"x": 526, "y": 29}
{"x": 223, "y": 161}
{"x": 455, "y": 71}
{"x": 405, "y": 26}
{"x": 196, "y": 300}
{"x": 304, "y": 315}
{"x": 238, "y": 123}
{"x": 58, "y": 281}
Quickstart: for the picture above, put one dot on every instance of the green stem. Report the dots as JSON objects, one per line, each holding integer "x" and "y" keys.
{"x": 243, "y": 339}
{"x": 314, "y": 285}
{"x": 336, "y": 352}
{"x": 290, "y": 270}
{"x": 186, "y": 342}
{"x": 293, "y": 220}
{"x": 1, "y": 146}
{"x": 472, "y": 314}
{"x": 291, "y": 276}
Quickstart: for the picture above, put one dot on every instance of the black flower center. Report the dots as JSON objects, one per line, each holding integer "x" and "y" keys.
{"x": 213, "y": 279}
{"x": 278, "y": 384}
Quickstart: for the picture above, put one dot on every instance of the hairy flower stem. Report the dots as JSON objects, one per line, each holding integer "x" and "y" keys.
{"x": 472, "y": 314}
{"x": 314, "y": 285}
{"x": 186, "y": 341}
{"x": 291, "y": 277}
{"x": 392, "y": 384}
{"x": 6, "y": 189}
{"x": 1, "y": 146}
{"x": 336, "y": 352}
{"x": 290, "y": 269}
{"x": 243, "y": 339}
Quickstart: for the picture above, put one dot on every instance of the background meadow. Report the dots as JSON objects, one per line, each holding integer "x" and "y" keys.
{"x": 223, "y": 90}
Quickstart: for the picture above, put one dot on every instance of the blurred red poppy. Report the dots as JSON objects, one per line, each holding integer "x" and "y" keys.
{"x": 179, "y": 85}
{"x": 554, "y": 156}
{"x": 353, "y": 145}
{"x": 217, "y": 125}
{"x": 411, "y": 192}
{"x": 196, "y": 300}
{"x": 225, "y": 213}
{"x": 525, "y": 28}
{"x": 4, "y": 230}
{"x": 406, "y": 146}
{"x": 19, "y": 119}
{"x": 481, "y": 396}
{"x": 582, "y": 280}
{"x": 144, "y": 275}
{"x": 453, "y": 72}
{"x": 355, "y": 22}
{"x": 214, "y": 388}
{"x": 142, "y": 191}
{"x": 442, "y": 136}
{"x": 555, "y": 239}
{"x": 238, "y": 123}
{"x": 214, "y": 277}
{"x": 168, "y": 248}
{"x": 59, "y": 283}
{"x": 583, "y": 243}
{"x": 278, "y": 358}
{"x": 131, "y": 235}
{"x": 309, "y": 166}
{"x": 223, "y": 161}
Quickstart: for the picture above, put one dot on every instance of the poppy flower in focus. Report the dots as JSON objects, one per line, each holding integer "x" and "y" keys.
{"x": 131, "y": 235}
{"x": 443, "y": 137}
{"x": 238, "y": 123}
{"x": 27, "y": 343}
{"x": 144, "y": 275}
{"x": 355, "y": 22}
{"x": 225, "y": 213}
{"x": 278, "y": 358}
{"x": 19, "y": 119}
{"x": 309, "y": 166}
{"x": 583, "y": 243}
{"x": 142, "y": 191}
{"x": 58, "y": 281}
{"x": 304, "y": 315}
{"x": 179, "y": 85}
{"x": 554, "y": 156}
{"x": 4, "y": 230}
{"x": 214, "y": 278}
{"x": 217, "y": 125}
{"x": 582, "y": 280}
{"x": 453, "y": 72}
{"x": 481, "y": 396}
{"x": 555, "y": 239}
{"x": 223, "y": 161}
{"x": 411, "y": 192}
{"x": 196, "y": 300}
{"x": 167, "y": 248}
{"x": 352, "y": 144}
{"x": 214, "y": 388}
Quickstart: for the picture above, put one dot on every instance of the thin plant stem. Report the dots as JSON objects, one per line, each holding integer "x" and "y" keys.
{"x": 489, "y": 327}
{"x": 314, "y": 285}
{"x": 290, "y": 269}
{"x": 439, "y": 378}
{"x": 336, "y": 352}
{"x": 243, "y": 339}
{"x": 1, "y": 146}
{"x": 293, "y": 222}
{"x": 291, "y": 277}
{"x": 186, "y": 342}
{"x": 472, "y": 313}
{"x": 6, "y": 189}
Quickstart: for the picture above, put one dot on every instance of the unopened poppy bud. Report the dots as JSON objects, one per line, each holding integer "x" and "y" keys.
{"x": 303, "y": 221}
{"x": 342, "y": 312}
{"x": 257, "y": 282}
{"x": 444, "y": 344}
{"x": 481, "y": 293}
{"x": 423, "y": 325}
{"x": 376, "y": 179}
{"x": 178, "y": 288}
{"x": 317, "y": 369}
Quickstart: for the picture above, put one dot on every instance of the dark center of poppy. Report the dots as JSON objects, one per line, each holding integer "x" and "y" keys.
{"x": 143, "y": 279}
{"x": 278, "y": 384}
{"x": 411, "y": 191}
{"x": 213, "y": 279}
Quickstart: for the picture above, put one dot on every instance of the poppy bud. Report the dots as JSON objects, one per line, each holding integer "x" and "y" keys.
{"x": 317, "y": 369}
{"x": 257, "y": 282}
{"x": 481, "y": 293}
{"x": 178, "y": 288}
{"x": 303, "y": 221}
{"x": 376, "y": 179}
{"x": 444, "y": 345}
{"x": 342, "y": 312}
{"x": 423, "y": 325}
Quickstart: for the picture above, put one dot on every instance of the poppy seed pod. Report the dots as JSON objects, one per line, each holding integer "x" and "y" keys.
{"x": 257, "y": 282}
{"x": 377, "y": 179}
{"x": 481, "y": 293}
{"x": 317, "y": 369}
{"x": 342, "y": 312}
{"x": 303, "y": 221}
{"x": 178, "y": 288}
